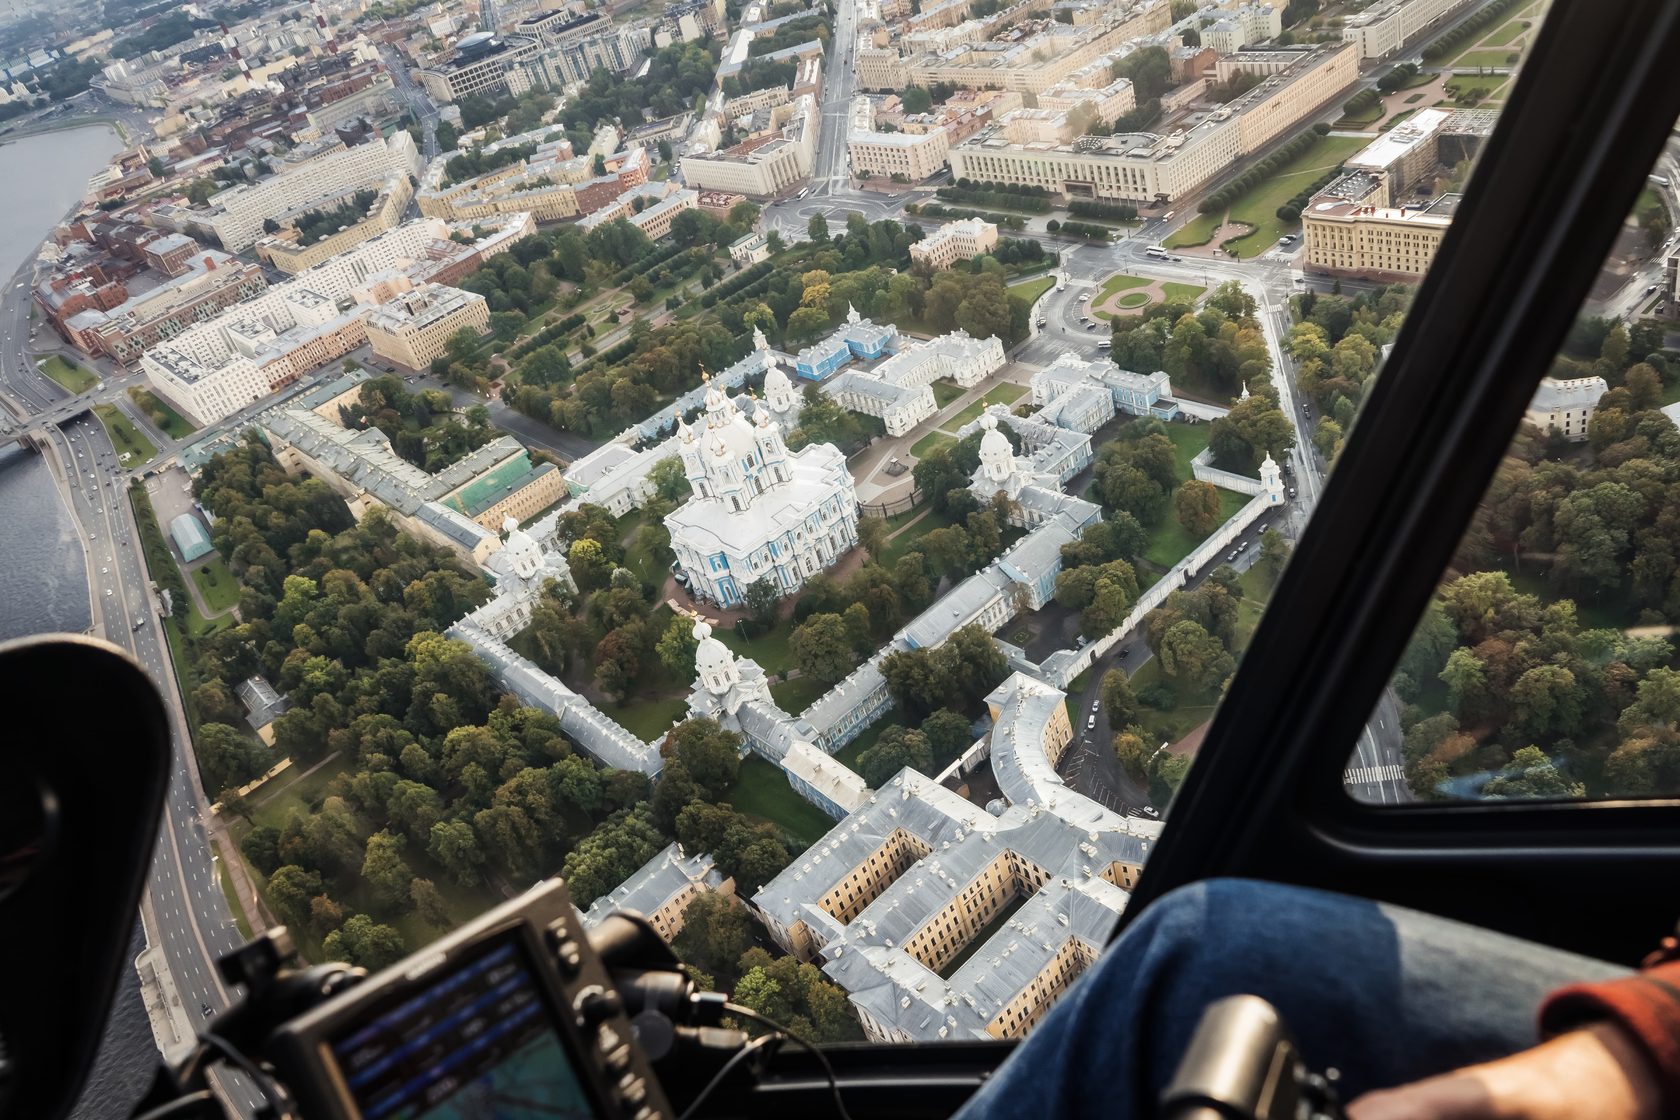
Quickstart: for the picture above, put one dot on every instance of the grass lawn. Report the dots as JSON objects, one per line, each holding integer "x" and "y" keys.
{"x": 1175, "y": 290}
{"x": 1606, "y": 614}
{"x": 798, "y": 694}
{"x": 770, "y": 651}
{"x": 1492, "y": 59}
{"x": 286, "y": 792}
{"x": 1671, "y": 393}
{"x": 1133, "y": 299}
{"x": 1258, "y": 207}
{"x": 174, "y": 425}
{"x": 1414, "y": 99}
{"x": 930, "y": 443}
{"x": 1170, "y": 542}
{"x": 77, "y": 379}
{"x": 645, "y": 718}
{"x": 128, "y": 439}
{"x": 762, "y": 791}
{"x": 649, "y": 556}
{"x": 1189, "y": 711}
{"x": 1506, "y": 34}
{"x": 1189, "y": 441}
{"x": 1479, "y": 88}
{"x": 1120, "y": 282}
{"x": 216, "y": 584}
{"x": 1030, "y": 290}
{"x": 906, "y": 541}
{"x": 1198, "y": 231}
{"x": 235, "y": 906}
{"x": 1364, "y": 116}
{"x": 998, "y": 394}
{"x": 944, "y": 392}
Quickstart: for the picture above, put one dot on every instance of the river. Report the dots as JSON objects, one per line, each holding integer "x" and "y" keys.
{"x": 43, "y": 573}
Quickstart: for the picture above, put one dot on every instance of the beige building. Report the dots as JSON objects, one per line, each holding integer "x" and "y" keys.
{"x": 1353, "y": 238}
{"x": 662, "y": 889}
{"x": 284, "y": 253}
{"x": 1565, "y": 406}
{"x": 885, "y": 154}
{"x": 1144, "y": 167}
{"x": 1405, "y": 153}
{"x": 765, "y": 164}
{"x": 954, "y": 241}
{"x": 1384, "y": 28}
{"x": 413, "y": 329}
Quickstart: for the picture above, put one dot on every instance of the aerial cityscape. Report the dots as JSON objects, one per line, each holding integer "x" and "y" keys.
{"x": 805, "y": 470}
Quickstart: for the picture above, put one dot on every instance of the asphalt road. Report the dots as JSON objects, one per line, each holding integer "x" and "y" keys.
{"x": 187, "y": 912}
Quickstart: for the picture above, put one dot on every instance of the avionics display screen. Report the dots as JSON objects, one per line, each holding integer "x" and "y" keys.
{"x": 476, "y": 1044}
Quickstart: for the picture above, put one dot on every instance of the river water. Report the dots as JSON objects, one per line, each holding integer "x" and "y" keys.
{"x": 43, "y": 574}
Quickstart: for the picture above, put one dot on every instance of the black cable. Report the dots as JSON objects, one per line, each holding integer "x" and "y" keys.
{"x": 816, "y": 1052}
{"x": 736, "y": 1059}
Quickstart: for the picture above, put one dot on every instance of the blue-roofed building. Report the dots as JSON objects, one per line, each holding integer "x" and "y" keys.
{"x": 822, "y": 360}
{"x": 866, "y": 340}
{"x": 190, "y": 538}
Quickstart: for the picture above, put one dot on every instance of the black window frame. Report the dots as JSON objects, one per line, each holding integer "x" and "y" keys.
{"x": 1589, "y": 113}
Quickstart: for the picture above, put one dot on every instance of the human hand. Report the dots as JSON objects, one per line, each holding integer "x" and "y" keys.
{"x": 1596, "y": 1071}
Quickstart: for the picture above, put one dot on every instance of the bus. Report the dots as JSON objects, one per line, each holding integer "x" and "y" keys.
{"x": 1156, "y": 252}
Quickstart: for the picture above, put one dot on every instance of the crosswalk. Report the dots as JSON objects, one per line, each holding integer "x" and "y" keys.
{"x": 1055, "y": 346}
{"x": 1370, "y": 775}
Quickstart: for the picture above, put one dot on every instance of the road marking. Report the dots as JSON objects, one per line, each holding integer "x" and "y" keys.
{"x": 1373, "y": 775}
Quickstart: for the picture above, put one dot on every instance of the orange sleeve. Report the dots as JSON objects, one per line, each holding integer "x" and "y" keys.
{"x": 1645, "y": 1004}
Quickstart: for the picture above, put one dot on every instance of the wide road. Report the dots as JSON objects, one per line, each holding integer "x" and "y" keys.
{"x": 186, "y": 915}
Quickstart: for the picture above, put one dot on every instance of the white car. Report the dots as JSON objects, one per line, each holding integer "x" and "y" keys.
{"x": 1095, "y": 704}
{"x": 1089, "y": 724}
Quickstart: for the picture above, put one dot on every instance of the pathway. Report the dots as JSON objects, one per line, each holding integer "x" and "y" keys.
{"x": 1120, "y": 302}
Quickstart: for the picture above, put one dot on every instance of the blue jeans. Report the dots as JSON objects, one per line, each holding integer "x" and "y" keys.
{"x": 1383, "y": 994}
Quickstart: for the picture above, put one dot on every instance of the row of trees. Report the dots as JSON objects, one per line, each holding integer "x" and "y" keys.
{"x": 1222, "y": 198}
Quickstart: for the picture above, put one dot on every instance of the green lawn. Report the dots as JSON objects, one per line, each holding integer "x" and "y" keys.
{"x": 1133, "y": 299}
{"x": 1006, "y": 393}
{"x": 930, "y": 443}
{"x": 125, "y": 436}
{"x": 174, "y": 425}
{"x": 1364, "y": 116}
{"x": 770, "y": 651}
{"x": 761, "y": 790}
{"x": 1189, "y": 441}
{"x": 1030, "y": 290}
{"x": 1494, "y": 59}
{"x": 1414, "y": 99}
{"x": 286, "y": 792}
{"x": 1258, "y": 207}
{"x": 1197, "y": 231}
{"x": 1120, "y": 282}
{"x": 216, "y": 584}
{"x": 1175, "y": 290}
{"x": 646, "y": 718}
{"x": 906, "y": 541}
{"x": 1506, "y": 34}
{"x": 1170, "y": 542}
{"x": 1189, "y": 711}
{"x": 1477, "y": 88}
{"x": 77, "y": 379}
{"x": 944, "y": 392}
{"x": 798, "y": 694}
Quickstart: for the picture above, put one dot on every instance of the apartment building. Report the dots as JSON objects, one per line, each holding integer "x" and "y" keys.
{"x": 250, "y": 350}
{"x": 125, "y": 328}
{"x": 1384, "y": 28}
{"x": 911, "y": 156}
{"x": 1377, "y": 242}
{"x": 650, "y": 207}
{"x": 414, "y": 328}
{"x": 661, "y": 890}
{"x": 286, "y": 252}
{"x": 954, "y": 241}
{"x": 1104, "y": 103}
{"x": 479, "y": 64}
{"x": 764, "y": 164}
{"x": 235, "y": 216}
{"x": 550, "y": 184}
{"x": 1251, "y": 23}
{"x": 1150, "y": 168}
{"x": 1565, "y": 406}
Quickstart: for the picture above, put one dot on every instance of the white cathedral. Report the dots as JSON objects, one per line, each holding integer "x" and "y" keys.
{"x": 758, "y": 511}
